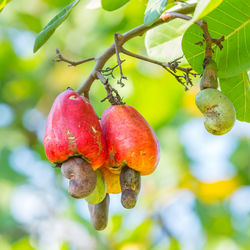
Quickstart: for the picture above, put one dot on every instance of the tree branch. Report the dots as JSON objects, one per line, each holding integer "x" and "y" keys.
{"x": 209, "y": 42}
{"x": 61, "y": 58}
{"x": 109, "y": 52}
{"x": 171, "y": 67}
{"x": 144, "y": 58}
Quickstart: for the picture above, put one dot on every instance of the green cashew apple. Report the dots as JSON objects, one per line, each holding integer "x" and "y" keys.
{"x": 218, "y": 110}
{"x": 99, "y": 192}
{"x": 209, "y": 77}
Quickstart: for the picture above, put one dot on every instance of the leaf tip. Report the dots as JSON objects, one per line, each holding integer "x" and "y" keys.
{"x": 35, "y": 47}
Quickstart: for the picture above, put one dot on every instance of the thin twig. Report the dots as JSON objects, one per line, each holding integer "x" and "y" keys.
{"x": 171, "y": 67}
{"x": 144, "y": 58}
{"x": 117, "y": 37}
{"x": 109, "y": 71}
{"x": 112, "y": 94}
{"x": 61, "y": 58}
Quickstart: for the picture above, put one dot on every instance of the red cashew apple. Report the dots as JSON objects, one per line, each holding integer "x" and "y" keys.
{"x": 74, "y": 140}
{"x": 132, "y": 143}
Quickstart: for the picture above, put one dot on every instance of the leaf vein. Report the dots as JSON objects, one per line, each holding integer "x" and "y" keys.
{"x": 227, "y": 92}
{"x": 226, "y": 14}
{"x": 216, "y": 20}
{"x": 244, "y": 13}
{"x": 244, "y": 30}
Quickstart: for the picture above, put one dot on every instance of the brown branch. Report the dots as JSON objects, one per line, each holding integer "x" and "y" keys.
{"x": 109, "y": 52}
{"x": 117, "y": 37}
{"x": 112, "y": 94}
{"x": 171, "y": 67}
{"x": 144, "y": 58}
{"x": 173, "y": 15}
{"x": 61, "y": 58}
{"x": 109, "y": 71}
{"x": 209, "y": 42}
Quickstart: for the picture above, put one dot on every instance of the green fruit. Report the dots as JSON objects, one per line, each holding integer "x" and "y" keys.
{"x": 209, "y": 77}
{"x": 218, "y": 110}
{"x": 212, "y": 65}
{"x": 100, "y": 190}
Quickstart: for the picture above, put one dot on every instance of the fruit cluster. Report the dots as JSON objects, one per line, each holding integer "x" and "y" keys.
{"x": 100, "y": 157}
{"x": 218, "y": 109}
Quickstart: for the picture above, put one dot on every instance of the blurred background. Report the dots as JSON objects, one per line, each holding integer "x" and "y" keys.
{"x": 199, "y": 196}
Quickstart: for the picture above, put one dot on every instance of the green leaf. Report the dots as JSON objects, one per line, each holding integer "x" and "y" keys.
{"x": 154, "y": 9}
{"x": 237, "y": 89}
{"x": 53, "y": 24}
{"x": 111, "y": 5}
{"x": 203, "y": 8}
{"x": 3, "y": 3}
{"x": 164, "y": 42}
{"x": 232, "y": 20}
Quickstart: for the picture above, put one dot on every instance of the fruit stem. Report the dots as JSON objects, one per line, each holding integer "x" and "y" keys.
{"x": 209, "y": 42}
{"x": 112, "y": 94}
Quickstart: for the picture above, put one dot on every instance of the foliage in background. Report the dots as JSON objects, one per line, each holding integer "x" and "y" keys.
{"x": 202, "y": 181}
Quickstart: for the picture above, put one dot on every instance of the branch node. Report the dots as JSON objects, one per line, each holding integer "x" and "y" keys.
{"x": 209, "y": 42}
{"x": 112, "y": 94}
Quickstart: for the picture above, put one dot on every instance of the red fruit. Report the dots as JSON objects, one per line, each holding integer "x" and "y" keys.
{"x": 73, "y": 129}
{"x": 130, "y": 140}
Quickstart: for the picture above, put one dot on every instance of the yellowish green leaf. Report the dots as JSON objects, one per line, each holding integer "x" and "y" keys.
{"x": 237, "y": 89}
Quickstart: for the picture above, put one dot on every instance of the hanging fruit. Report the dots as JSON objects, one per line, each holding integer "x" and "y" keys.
{"x": 218, "y": 110}
{"x": 73, "y": 140}
{"x": 133, "y": 148}
{"x": 209, "y": 76}
{"x": 99, "y": 192}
